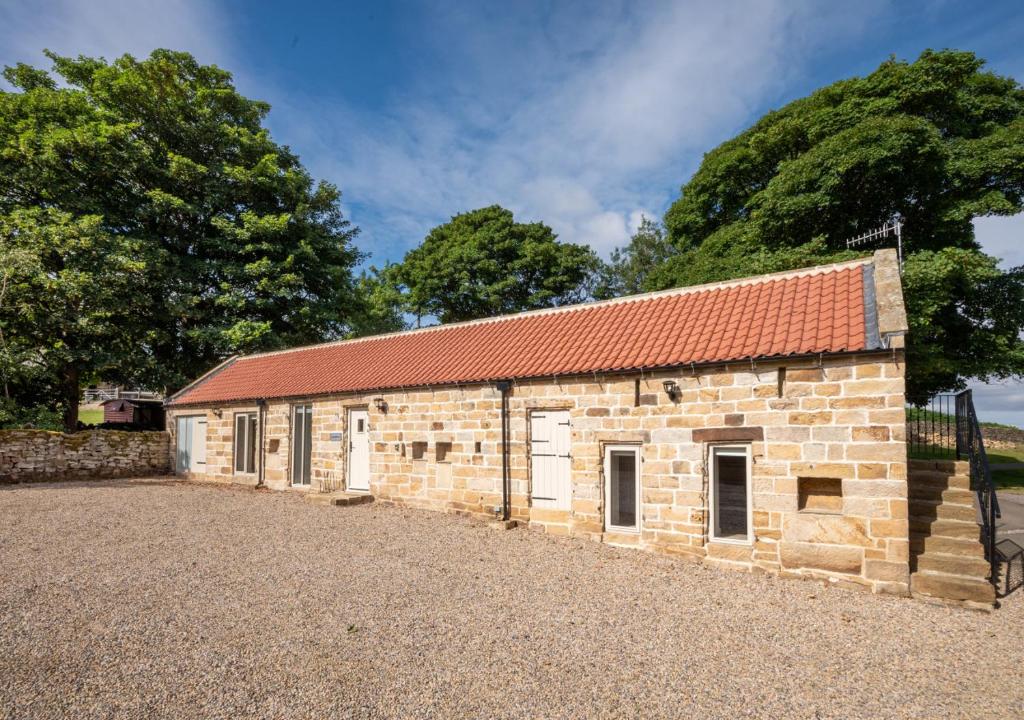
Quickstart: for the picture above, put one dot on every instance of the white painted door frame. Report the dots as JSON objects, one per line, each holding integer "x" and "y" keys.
{"x": 551, "y": 459}
{"x": 633, "y": 449}
{"x": 301, "y": 454}
{"x": 190, "y": 438}
{"x": 714, "y": 452}
{"x": 358, "y": 474}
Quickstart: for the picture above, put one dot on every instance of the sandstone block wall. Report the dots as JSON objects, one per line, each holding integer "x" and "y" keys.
{"x": 827, "y": 443}
{"x": 43, "y": 456}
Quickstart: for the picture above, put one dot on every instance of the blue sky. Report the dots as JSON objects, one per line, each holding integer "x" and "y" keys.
{"x": 584, "y": 115}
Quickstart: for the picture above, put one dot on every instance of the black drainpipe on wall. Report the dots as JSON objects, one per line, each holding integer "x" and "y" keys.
{"x": 262, "y": 405}
{"x": 506, "y": 477}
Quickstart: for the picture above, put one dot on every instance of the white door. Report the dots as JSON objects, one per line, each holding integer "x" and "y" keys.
{"x": 550, "y": 459}
{"x": 184, "y": 438}
{"x": 191, "y": 439}
{"x": 199, "y": 445}
{"x": 359, "y": 450}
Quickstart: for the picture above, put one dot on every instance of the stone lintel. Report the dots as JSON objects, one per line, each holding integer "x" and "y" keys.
{"x": 728, "y": 434}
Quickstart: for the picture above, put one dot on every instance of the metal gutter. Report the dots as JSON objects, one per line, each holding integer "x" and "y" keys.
{"x": 504, "y": 386}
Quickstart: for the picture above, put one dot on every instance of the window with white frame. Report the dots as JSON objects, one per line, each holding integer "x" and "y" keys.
{"x": 245, "y": 442}
{"x": 622, "y": 487}
{"x": 302, "y": 444}
{"x": 731, "y": 512}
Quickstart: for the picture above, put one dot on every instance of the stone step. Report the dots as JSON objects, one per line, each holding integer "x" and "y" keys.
{"x": 964, "y": 565}
{"x": 939, "y": 480}
{"x": 920, "y": 525}
{"x": 957, "y": 496}
{"x": 942, "y": 511}
{"x": 964, "y": 547}
{"x": 338, "y": 498}
{"x": 958, "y": 467}
{"x": 952, "y": 587}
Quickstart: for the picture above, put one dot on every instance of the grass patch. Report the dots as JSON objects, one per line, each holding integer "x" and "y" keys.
{"x": 1006, "y": 455}
{"x": 936, "y": 419}
{"x": 90, "y": 416}
{"x": 1009, "y": 480}
{"x": 1013, "y": 454}
{"x": 930, "y": 452}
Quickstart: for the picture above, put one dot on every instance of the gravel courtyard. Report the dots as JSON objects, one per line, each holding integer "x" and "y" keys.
{"x": 152, "y": 599}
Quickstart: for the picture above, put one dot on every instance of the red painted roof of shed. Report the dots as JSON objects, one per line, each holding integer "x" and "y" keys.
{"x": 819, "y": 310}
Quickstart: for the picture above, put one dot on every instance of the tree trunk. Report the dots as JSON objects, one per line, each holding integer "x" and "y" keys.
{"x": 70, "y": 391}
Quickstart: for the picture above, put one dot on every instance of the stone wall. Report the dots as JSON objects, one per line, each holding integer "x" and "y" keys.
{"x": 43, "y": 456}
{"x": 826, "y": 440}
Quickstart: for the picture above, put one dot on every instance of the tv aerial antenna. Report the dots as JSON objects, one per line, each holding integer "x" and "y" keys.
{"x": 892, "y": 228}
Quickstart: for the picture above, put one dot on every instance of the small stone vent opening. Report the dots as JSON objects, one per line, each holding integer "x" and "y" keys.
{"x": 419, "y": 449}
{"x": 820, "y": 495}
{"x": 441, "y": 451}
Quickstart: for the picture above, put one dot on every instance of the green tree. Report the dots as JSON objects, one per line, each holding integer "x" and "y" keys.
{"x": 626, "y": 271}
{"x": 379, "y": 303}
{"x": 161, "y": 162}
{"x": 62, "y": 310}
{"x": 483, "y": 263}
{"x": 939, "y": 142}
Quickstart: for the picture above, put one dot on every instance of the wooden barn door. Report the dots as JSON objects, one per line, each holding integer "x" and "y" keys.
{"x": 550, "y": 459}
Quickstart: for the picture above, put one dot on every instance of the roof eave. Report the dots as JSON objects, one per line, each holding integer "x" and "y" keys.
{"x": 578, "y": 374}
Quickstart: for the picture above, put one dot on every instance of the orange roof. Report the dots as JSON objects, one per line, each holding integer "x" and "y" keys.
{"x": 820, "y": 310}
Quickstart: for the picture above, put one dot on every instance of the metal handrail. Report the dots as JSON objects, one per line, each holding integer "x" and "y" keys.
{"x": 969, "y": 442}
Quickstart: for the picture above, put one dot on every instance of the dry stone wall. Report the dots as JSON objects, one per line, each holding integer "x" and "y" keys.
{"x": 43, "y": 456}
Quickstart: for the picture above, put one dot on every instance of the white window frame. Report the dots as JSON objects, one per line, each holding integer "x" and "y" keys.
{"x": 731, "y": 450}
{"x": 248, "y": 443}
{"x": 292, "y": 453}
{"x": 634, "y": 448}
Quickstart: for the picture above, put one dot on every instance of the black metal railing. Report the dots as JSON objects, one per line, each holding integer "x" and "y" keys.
{"x": 970, "y": 446}
{"x": 932, "y": 429}
{"x": 947, "y": 428}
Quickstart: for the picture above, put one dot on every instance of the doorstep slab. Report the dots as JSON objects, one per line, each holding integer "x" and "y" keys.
{"x": 338, "y": 498}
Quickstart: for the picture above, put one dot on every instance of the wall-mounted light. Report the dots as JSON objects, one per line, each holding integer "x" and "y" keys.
{"x": 218, "y": 412}
{"x": 380, "y": 404}
{"x": 671, "y": 389}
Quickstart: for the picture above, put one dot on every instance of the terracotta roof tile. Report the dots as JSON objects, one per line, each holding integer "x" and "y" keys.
{"x": 820, "y": 310}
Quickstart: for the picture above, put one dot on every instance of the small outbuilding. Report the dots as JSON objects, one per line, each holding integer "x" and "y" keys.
{"x": 143, "y": 414}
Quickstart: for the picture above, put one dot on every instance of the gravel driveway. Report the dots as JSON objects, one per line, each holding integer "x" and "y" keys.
{"x": 148, "y": 599}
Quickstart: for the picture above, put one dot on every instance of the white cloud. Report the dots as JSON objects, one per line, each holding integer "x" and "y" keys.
{"x": 110, "y": 28}
{"x": 637, "y": 216}
{"x": 1001, "y": 401}
{"x": 1002, "y": 237}
{"x": 580, "y": 116}
{"x": 579, "y": 119}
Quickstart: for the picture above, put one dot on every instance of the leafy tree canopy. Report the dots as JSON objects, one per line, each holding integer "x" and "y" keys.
{"x": 379, "y": 307}
{"x": 938, "y": 142}
{"x": 158, "y": 226}
{"x": 626, "y": 271}
{"x": 483, "y": 263}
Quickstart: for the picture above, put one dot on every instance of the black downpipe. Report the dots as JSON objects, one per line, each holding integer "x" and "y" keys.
{"x": 262, "y": 405}
{"x": 506, "y": 476}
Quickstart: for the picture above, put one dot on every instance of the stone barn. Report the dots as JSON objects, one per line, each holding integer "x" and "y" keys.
{"x": 755, "y": 423}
